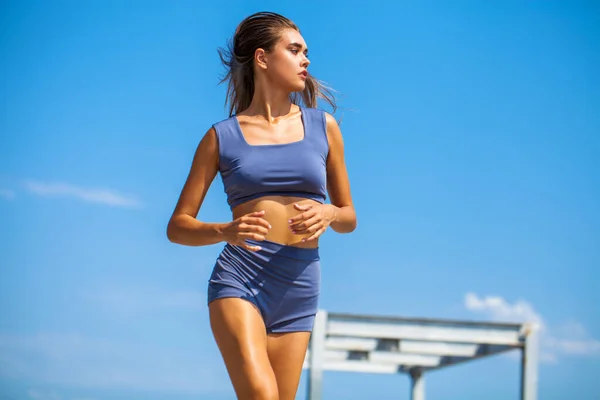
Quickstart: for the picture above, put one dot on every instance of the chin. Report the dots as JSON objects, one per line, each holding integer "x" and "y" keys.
{"x": 298, "y": 87}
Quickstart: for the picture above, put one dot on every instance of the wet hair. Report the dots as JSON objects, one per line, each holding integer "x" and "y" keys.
{"x": 261, "y": 30}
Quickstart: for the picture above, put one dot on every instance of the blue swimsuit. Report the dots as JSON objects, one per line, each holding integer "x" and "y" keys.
{"x": 282, "y": 281}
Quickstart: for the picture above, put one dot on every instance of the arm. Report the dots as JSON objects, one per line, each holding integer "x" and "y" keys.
{"x": 338, "y": 185}
{"x": 183, "y": 227}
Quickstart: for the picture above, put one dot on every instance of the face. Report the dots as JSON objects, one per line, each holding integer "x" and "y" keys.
{"x": 286, "y": 64}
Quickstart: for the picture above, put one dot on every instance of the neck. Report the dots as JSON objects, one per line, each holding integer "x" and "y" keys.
{"x": 270, "y": 103}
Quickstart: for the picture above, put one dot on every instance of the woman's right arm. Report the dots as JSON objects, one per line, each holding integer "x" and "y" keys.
{"x": 183, "y": 227}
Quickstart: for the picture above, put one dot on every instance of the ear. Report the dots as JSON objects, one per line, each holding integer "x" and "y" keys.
{"x": 261, "y": 58}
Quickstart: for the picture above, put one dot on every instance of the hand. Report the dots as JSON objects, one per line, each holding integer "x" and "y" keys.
{"x": 249, "y": 226}
{"x": 314, "y": 220}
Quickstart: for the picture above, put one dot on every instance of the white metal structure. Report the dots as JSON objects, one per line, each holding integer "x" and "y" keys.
{"x": 390, "y": 345}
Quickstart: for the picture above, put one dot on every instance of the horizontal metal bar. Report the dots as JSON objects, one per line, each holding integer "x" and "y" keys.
{"x": 379, "y": 357}
{"x": 405, "y": 346}
{"x": 438, "y": 348}
{"x": 358, "y": 366}
{"x": 422, "y": 333}
{"x": 346, "y": 343}
{"x": 483, "y": 351}
{"x": 421, "y": 321}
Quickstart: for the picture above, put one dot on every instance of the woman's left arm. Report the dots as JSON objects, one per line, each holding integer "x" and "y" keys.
{"x": 338, "y": 185}
{"x": 339, "y": 215}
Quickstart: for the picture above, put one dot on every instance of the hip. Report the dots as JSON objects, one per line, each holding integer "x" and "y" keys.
{"x": 274, "y": 264}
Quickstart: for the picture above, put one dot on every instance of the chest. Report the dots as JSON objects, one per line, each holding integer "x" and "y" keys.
{"x": 261, "y": 134}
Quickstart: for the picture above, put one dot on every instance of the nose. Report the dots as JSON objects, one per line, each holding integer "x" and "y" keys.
{"x": 305, "y": 62}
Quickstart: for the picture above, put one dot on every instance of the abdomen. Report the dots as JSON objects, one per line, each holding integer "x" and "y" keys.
{"x": 278, "y": 210}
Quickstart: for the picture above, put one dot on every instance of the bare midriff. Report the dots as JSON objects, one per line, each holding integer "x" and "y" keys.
{"x": 278, "y": 210}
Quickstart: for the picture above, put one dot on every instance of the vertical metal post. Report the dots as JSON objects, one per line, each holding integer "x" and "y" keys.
{"x": 417, "y": 381}
{"x": 529, "y": 364}
{"x": 317, "y": 356}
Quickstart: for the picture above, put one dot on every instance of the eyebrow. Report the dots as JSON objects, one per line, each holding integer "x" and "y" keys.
{"x": 299, "y": 46}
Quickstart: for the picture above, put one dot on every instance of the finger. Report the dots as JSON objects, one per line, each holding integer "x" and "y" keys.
{"x": 251, "y": 235}
{"x": 310, "y": 230}
{"x": 250, "y": 247}
{"x": 261, "y": 230}
{"x": 245, "y": 227}
{"x": 257, "y": 221}
{"x": 255, "y": 214}
{"x": 305, "y": 227}
{"x": 295, "y": 219}
{"x": 246, "y": 217}
{"x": 315, "y": 236}
{"x": 301, "y": 217}
{"x": 303, "y": 207}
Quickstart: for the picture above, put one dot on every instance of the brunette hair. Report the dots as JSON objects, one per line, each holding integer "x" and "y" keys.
{"x": 261, "y": 30}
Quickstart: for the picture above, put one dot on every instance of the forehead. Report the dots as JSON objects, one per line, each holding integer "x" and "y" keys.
{"x": 289, "y": 36}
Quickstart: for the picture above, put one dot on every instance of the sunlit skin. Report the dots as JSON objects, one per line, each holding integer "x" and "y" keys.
{"x": 262, "y": 124}
{"x": 271, "y": 118}
{"x": 265, "y": 366}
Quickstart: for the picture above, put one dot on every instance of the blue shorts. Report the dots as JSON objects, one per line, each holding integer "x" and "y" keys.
{"x": 282, "y": 281}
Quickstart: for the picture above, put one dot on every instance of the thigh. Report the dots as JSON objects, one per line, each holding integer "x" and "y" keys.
{"x": 240, "y": 334}
{"x": 286, "y": 353}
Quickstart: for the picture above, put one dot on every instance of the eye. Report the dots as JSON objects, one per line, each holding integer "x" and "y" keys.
{"x": 294, "y": 51}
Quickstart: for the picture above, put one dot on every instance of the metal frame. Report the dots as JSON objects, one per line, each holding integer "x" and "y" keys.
{"x": 391, "y": 345}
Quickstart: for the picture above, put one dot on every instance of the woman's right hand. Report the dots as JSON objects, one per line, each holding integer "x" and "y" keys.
{"x": 249, "y": 226}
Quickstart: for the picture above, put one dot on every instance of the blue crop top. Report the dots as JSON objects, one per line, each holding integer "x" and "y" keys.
{"x": 290, "y": 169}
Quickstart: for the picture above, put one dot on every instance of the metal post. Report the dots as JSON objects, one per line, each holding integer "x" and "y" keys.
{"x": 529, "y": 364}
{"x": 316, "y": 357}
{"x": 417, "y": 385}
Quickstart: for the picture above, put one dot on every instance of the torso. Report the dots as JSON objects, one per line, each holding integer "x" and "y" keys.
{"x": 272, "y": 141}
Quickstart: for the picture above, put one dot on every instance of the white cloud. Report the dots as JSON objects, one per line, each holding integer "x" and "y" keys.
{"x": 570, "y": 338}
{"x": 92, "y": 195}
{"x": 7, "y": 194}
{"x": 499, "y": 309}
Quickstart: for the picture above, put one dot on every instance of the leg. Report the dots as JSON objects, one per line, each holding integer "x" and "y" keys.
{"x": 286, "y": 353}
{"x": 240, "y": 334}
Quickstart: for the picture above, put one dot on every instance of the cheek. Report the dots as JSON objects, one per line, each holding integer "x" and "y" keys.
{"x": 284, "y": 67}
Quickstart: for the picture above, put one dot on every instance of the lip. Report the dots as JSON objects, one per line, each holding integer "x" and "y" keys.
{"x": 303, "y": 74}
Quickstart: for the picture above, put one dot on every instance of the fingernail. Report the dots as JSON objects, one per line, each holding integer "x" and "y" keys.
{"x": 303, "y": 240}
{"x": 269, "y": 226}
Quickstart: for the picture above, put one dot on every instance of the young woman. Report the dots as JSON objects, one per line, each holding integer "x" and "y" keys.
{"x": 278, "y": 162}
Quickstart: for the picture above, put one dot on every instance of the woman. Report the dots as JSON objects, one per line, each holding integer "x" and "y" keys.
{"x": 278, "y": 162}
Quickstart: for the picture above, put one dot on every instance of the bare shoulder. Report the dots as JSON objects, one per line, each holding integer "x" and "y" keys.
{"x": 207, "y": 151}
{"x": 209, "y": 140}
{"x": 205, "y": 164}
{"x": 331, "y": 122}
{"x": 334, "y": 133}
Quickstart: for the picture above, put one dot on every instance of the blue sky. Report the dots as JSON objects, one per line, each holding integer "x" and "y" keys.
{"x": 472, "y": 141}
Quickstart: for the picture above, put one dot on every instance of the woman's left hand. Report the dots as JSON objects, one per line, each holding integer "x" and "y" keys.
{"x": 314, "y": 219}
